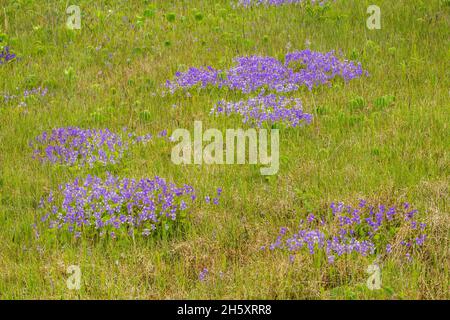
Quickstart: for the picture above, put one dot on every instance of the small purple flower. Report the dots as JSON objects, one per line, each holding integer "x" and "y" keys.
{"x": 256, "y": 3}
{"x": 36, "y": 231}
{"x": 107, "y": 205}
{"x": 203, "y": 274}
{"x": 388, "y": 248}
{"x": 330, "y": 259}
{"x": 84, "y": 147}
{"x": 362, "y": 203}
{"x": 421, "y": 239}
{"x": 21, "y": 99}
{"x": 6, "y": 56}
{"x": 268, "y": 109}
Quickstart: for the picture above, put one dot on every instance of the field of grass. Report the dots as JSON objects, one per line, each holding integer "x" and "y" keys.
{"x": 112, "y": 73}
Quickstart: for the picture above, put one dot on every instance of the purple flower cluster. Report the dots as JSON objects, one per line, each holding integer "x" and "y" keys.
{"x": 35, "y": 92}
{"x": 254, "y": 3}
{"x": 76, "y": 146}
{"x": 266, "y": 109}
{"x": 316, "y": 68}
{"x": 364, "y": 230}
{"x": 116, "y": 206}
{"x": 215, "y": 199}
{"x": 308, "y": 68}
{"x": 203, "y": 274}
{"x": 6, "y": 55}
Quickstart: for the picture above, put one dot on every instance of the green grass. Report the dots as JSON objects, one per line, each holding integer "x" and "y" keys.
{"x": 384, "y": 138}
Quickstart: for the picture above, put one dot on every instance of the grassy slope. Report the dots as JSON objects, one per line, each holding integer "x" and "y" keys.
{"x": 395, "y": 154}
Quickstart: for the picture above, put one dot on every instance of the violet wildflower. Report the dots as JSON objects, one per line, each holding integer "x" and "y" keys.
{"x": 351, "y": 230}
{"x": 256, "y": 3}
{"x": 203, "y": 274}
{"x": 6, "y": 55}
{"x": 388, "y": 248}
{"x": 163, "y": 133}
{"x": 21, "y": 98}
{"x": 268, "y": 109}
{"x": 116, "y": 205}
{"x": 330, "y": 259}
{"x": 302, "y": 68}
{"x": 36, "y": 231}
{"x": 421, "y": 239}
{"x": 362, "y": 203}
{"x": 83, "y": 147}
{"x": 143, "y": 139}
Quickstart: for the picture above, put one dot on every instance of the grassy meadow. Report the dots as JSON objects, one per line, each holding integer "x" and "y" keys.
{"x": 112, "y": 73}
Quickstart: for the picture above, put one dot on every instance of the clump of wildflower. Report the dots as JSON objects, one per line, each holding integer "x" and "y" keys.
{"x": 256, "y": 3}
{"x": 115, "y": 206}
{"x": 6, "y": 55}
{"x": 268, "y": 109}
{"x": 203, "y": 274}
{"x": 22, "y": 98}
{"x": 302, "y": 68}
{"x": 214, "y": 200}
{"x": 364, "y": 230}
{"x": 72, "y": 145}
{"x": 84, "y": 147}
